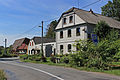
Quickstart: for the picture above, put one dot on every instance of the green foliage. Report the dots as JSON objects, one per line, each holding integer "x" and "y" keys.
{"x": 51, "y": 28}
{"x": 117, "y": 56}
{"x": 98, "y": 56}
{"x": 35, "y": 57}
{"x": 112, "y": 9}
{"x": 113, "y": 35}
{"x": 2, "y": 75}
{"x": 102, "y": 29}
{"x": 7, "y": 55}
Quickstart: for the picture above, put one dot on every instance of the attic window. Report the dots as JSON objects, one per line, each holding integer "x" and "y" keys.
{"x": 64, "y": 21}
{"x": 70, "y": 19}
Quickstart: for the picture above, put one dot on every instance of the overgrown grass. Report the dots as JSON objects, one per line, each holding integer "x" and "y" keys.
{"x": 116, "y": 63}
{"x": 2, "y": 75}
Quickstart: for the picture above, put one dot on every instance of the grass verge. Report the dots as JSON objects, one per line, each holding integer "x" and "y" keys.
{"x": 114, "y": 71}
{"x": 2, "y": 75}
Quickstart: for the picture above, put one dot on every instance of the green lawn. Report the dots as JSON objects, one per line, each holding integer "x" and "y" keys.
{"x": 2, "y": 75}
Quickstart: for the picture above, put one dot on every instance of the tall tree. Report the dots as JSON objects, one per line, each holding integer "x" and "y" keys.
{"x": 112, "y": 9}
{"x": 51, "y": 29}
{"x": 102, "y": 29}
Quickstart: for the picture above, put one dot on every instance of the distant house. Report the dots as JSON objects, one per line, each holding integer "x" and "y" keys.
{"x": 76, "y": 24}
{"x": 49, "y": 46}
{"x": 20, "y": 46}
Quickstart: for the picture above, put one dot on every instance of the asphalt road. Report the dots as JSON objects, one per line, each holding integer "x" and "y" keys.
{"x": 16, "y": 70}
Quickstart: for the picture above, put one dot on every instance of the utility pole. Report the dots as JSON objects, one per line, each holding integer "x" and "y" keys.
{"x": 42, "y": 40}
{"x": 5, "y": 46}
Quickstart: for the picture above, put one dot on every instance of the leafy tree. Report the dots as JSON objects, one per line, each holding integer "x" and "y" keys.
{"x": 51, "y": 29}
{"x": 102, "y": 29}
{"x": 112, "y": 9}
{"x": 113, "y": 35}
{"x": 1, "y": 49}
{"x": 9, "y": 49}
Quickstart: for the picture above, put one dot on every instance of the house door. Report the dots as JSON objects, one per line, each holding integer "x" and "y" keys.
{"x": 48, "y": 50}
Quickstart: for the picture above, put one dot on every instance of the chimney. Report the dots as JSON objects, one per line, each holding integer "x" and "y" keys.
{"x": 91, "y": 11}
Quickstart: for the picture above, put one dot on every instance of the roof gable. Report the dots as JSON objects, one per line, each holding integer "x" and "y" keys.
{"x": 91, "y": 18}
{"x": 19, "y": 42}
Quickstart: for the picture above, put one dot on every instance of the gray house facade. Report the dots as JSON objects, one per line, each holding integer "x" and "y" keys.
{"x": 76, "y": 24}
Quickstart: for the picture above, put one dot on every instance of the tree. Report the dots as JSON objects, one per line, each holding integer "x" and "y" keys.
{"x": 50, "y": 29}
{"x": 102, "y": 29}
{"x": 1, "y": 49}
{"x": 112, "y": 9}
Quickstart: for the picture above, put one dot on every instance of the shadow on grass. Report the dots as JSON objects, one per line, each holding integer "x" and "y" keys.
{"x": 116, "y": 67}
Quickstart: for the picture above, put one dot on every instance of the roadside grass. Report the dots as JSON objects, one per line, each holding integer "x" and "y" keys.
{"x": 116, "y": 63}
{"x": 114, "y": 70}
{"x": 2, "y": 75}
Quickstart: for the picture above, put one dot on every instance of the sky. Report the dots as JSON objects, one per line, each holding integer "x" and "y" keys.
{"x": 18, "y": 17}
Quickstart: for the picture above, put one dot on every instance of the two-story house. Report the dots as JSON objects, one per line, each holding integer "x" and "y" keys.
{"x": 76, "y": 24}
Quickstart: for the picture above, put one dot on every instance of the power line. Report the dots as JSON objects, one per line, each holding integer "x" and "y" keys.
{"x": 91, "y": 3}
{"x": 26, "y": 32}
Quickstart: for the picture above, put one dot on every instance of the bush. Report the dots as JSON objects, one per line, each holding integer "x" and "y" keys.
{"x": 43, "y": 59}
{"x": 24, "y": 57}
{"x": 35, "y": 57}
{"x": 53, "y": 59}
{"x": 99, "y": 56}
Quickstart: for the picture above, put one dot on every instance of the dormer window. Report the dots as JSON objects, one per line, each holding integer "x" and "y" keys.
{"x": 70, "y": 19}
{"x": 64, "y": 21}
{"x": 61, "y": 34}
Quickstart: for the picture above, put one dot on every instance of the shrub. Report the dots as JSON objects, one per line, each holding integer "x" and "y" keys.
{"x": 98, "y": 56}
{"x": 24, "y": 57}
{"x": 53, "y": 59}
{"x": 43, "y": 59}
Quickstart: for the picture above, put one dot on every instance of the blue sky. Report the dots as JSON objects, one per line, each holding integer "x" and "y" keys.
{"x": 19, "y": 16}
